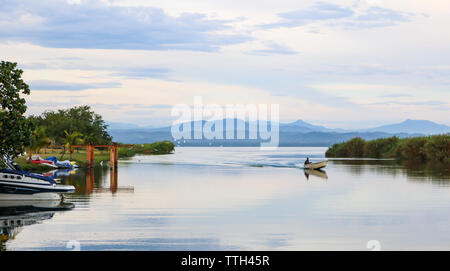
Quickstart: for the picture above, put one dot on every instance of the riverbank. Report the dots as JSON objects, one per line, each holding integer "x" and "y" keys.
{"x": 101, "y": 155}
{"x": 430, "y": 148}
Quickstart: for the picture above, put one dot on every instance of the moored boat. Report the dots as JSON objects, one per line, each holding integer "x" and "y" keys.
{"x": 17, "y": 184}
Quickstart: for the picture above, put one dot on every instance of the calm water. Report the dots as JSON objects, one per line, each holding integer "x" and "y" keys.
{"x": 243, "y": 199}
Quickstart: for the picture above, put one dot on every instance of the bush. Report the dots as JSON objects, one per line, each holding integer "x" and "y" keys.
{"x": 163, "y": 147}
{"x": 381, "y": 148}
{"x": 413, "y": 149}
{"x": 438, "y": 148}
{"x": 353, "y": 148}
{"x": 333, "y": 150}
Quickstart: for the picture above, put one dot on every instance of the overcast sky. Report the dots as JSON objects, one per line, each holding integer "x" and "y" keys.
{"x": 348, "y": 64}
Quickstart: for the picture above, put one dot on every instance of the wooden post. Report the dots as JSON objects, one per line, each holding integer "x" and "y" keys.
{"x": 112, "y": 156}
{"x": 116, "y": 155}
{"x": 88, "y": 156}
{"x": 92, "y": 156}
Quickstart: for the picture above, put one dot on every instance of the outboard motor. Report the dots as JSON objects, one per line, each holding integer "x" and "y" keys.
{"x": 10, "y": 164}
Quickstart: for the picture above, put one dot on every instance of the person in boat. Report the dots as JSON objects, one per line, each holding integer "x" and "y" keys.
{"x": 307, "y": 161}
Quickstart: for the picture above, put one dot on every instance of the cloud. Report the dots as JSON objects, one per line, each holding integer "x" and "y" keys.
{"x": 319, "y": 12}
{"x": 137, "y": 73}
{"x": 273, "y": 49}
{"x": 58, "y": 85}
{"x": 98, "y": 25}
{"x": 355, "y": 16}
{"x": 421, "y": 103}
{"x": 399, "y": 95}
{"x": 131, "y": 72}
{"x": 377, "y": 17}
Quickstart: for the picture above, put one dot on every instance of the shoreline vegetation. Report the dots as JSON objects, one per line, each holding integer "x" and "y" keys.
{"x": 101, "y": 155}
{"x": 420, "y": 149}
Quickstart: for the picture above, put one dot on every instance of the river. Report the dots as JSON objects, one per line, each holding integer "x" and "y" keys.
{"x": 243, "y": 199}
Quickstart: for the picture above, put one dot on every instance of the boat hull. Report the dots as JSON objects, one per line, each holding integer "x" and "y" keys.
{"x": 20, "y": 185}
{"x": 317, "y": 165}
{"x": 47, "y": 196}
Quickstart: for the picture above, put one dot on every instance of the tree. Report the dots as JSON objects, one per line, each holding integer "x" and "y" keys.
{"x": 15, "y": 129}
{"x": 71, "y": 139}
{"x": 76, "y": 119}
{"x": 39, "y": 139}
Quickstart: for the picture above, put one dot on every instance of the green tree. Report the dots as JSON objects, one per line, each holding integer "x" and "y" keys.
{"x": 381, "y": 147}
{"x": 413, "y": 149}
{"x": 76, "y": 119}
{"x": 15, "y": 129}
{"x": 71, "y": 139}
{"x": 39, "y": 139}
{"x": 438, "y": 147}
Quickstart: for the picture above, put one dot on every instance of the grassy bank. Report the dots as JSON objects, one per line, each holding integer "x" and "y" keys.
{"x": 156, "y": 148}
{"x": 430, "y": 148}
{"x": 79, "y": 155}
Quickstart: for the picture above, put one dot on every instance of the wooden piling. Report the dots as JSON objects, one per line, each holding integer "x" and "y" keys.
{"x": 92, "y": 156}
{"x": 116, "y": 154}
{"x": 112, "y": 160}
{"x": 88, "y": 157}
{"x": 113, "y": 153}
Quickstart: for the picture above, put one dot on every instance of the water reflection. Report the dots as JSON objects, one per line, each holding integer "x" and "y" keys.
{"x": 322, "y": 174}
{"x": 93, "y": 180}
{"x": 215, "y": 199}
{"x": 14, "y": 215}
{"x": 415, "y": 171}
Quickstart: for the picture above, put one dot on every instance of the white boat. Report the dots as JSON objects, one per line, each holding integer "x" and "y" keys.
{"x": 17, "y": 184}
{"x": 317, "y": 165}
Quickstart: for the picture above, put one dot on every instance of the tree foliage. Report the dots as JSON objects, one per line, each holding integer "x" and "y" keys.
{"x": 39, "y": 139}
{"x": 433, "y": 148}
{"x": 15, "y": 129}
{"x": 80, "y": 119}
{"x": 71, "y": 139}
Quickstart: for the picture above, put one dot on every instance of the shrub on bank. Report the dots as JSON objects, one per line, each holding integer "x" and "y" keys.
{"x": 435, "y": 148}
{"x": 381, "y": 148}
{"x": 412, "y": 149}
{"x": 438, "y": 148}
{"x": 163, "y": 147}
{"x": 352, "y": 148}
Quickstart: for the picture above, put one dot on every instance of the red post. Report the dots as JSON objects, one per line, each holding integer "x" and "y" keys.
{"x": 112, "y": 156}
{"x": 92, "y": 155}
{"x": 116, "y": 155}
{"x": 88, "y": 156}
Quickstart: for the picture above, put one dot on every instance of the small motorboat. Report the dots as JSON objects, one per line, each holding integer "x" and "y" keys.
{"x": 17, "y": 184}
{"x": 36, "y": 159}
{"x": 61, "y": 164}
{"x": 317, "y": 165}
{"x": 52, "y": 162}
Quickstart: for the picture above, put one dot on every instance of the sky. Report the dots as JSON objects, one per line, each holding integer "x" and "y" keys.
{"x": 346, "y": 64}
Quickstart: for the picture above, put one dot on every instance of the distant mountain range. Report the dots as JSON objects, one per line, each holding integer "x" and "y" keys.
{"x": 413, "y": 126}
{"x": 298, "y": 133}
